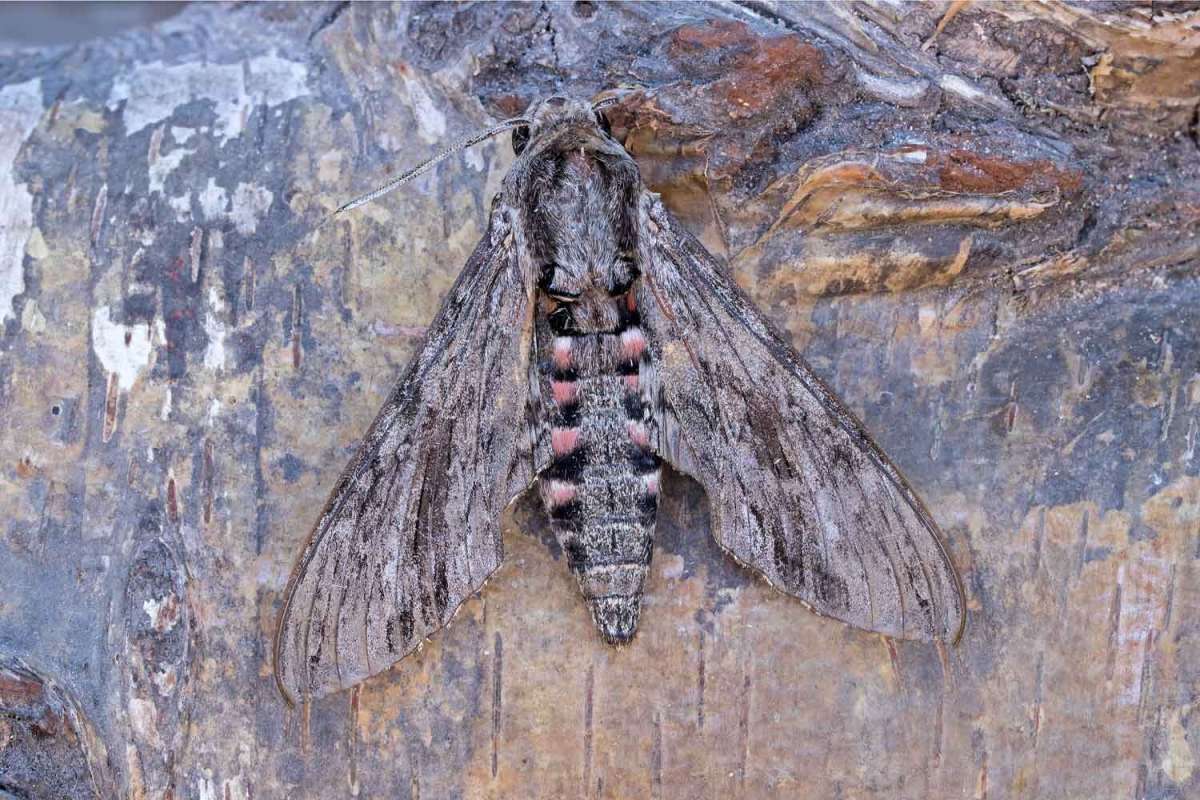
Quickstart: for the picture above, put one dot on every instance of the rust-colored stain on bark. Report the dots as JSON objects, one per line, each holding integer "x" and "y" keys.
{"x": 18, "y": 689}
{"x": 755, "y": 70}
{"x": 961, "y": 170}
{"x": 172, "y": 498}
{"x": 207, "y": 480}
{"x": 112, "y": 395}
{"x": 26, "y": 468}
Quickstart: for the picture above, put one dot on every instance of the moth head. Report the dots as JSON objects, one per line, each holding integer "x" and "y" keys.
{"x": 554, "y": 112}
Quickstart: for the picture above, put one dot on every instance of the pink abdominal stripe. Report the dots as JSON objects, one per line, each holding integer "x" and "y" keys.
{"x": 637, "y": 432}
{"x": 563, "y": 440}
{"x": 633, "y": 343}
{"x": 560, "y": 492}
{"x": 565, "y": 392}
{"x": 562, "y": 352}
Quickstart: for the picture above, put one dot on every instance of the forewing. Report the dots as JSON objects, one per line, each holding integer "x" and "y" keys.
{"x": 797, "y": 489}
{"x": 412, "y": 527}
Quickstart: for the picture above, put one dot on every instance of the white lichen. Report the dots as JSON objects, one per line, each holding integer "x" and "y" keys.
{"x": 149, "y": 93}
{"x": 214, "y": 202}
{"x": 214, "y": 328}
{"x": 20, "y": 109}
{"x": 250, "y": 202}
{"x": 123, "y": 350}
{"x": 431, "y": 122}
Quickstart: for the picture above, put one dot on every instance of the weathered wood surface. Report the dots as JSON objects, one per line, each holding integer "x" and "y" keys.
{"x": 978, "y": 222}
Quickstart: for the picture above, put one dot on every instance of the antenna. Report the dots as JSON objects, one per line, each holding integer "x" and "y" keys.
{"x": 425, "y": 166}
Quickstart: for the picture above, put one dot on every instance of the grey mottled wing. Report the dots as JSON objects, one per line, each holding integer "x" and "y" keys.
{"x": 412, "y": 527}
{"x": 797, "y": 489}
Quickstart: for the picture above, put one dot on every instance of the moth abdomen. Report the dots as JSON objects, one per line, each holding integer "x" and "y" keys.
{"x": 604, "y": 543}
{"x": 563, "y": 374}
{"x": 616, "y": 616}
{"x": 635, "y": 407}
{"x": 642, "y": 461}
{"x": 566, "y": 511}
{"x": 648, "y": 507}
{"x": 628, "y": 366}
{"x": 612, "y": 580}
{"x": 600, "y": 489}
{"x": 568, "y": 468}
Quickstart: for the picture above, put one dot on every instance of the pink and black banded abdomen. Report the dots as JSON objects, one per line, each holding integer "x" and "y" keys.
{"x": 601, "y": 488}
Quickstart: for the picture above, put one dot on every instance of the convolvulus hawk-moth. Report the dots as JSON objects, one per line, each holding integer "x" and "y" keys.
{"x": 588, "y": 340}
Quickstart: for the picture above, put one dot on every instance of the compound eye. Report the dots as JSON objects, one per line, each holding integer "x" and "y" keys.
{"x": 520, "y": 138}
{"x": 603, "y": 123}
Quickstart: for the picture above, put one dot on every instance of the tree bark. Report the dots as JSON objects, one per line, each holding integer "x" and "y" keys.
{"x": 978, "y": 222}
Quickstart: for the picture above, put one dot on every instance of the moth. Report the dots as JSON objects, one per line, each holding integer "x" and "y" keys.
{"x": 588, "y": 341}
